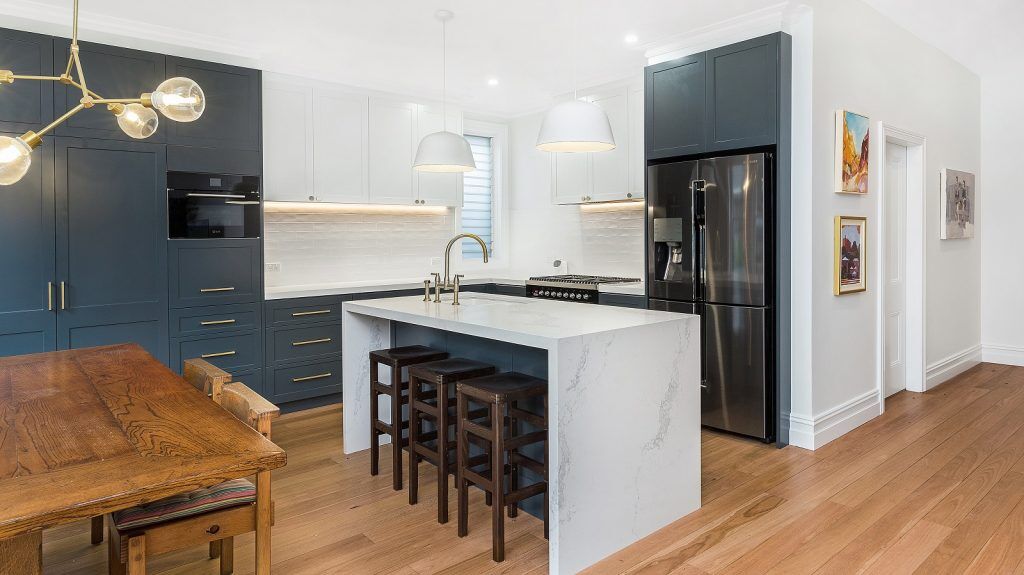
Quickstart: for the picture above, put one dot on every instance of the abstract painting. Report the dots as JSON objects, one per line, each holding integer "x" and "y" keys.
{"x": 850, "y": 265}
{"x": 957, "y": 205}
{"x": 852, "y": 143}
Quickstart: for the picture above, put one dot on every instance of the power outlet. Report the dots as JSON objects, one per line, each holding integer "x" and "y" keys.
{"x": 273, "y": 267}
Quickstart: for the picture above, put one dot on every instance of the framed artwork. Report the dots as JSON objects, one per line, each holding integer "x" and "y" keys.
{"x": 956, "y": 205}
{"x": 850, "y": 265}
{"x": 852, "y": 143}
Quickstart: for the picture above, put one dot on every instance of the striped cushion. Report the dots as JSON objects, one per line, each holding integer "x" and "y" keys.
{"x": 227, "y": 494}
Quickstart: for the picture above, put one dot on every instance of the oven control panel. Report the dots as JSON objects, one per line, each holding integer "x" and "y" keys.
{"x": 563, "y": 293}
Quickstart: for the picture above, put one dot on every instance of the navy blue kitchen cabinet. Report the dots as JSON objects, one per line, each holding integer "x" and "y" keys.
{"x": 232, "y": 118}
{"x": 674, "y": 107}
{"x": 28, "y": 323}
{"x": 724, "y": 99}
{"x": 111, "y": 235}
{"x": 743, "y": 94}
{"x": 215, "y": 271}
{"x": 26, "y": 104}
{"x": 303, "y": 355}
{"x": 622, "y": 300}
{"x": 113, "y": 73}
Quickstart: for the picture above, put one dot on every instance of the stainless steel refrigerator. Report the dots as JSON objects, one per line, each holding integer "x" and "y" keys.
{"x": 710, "y": 253}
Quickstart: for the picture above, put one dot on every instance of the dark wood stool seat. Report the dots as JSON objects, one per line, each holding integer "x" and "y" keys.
{"x": 397, "y": 389}
{"x": 438, "y": 406}
{"x": 501, "y": 393}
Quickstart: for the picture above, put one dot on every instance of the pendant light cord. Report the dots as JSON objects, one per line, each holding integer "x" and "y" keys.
{"x": 444, "y": 75}
{"x": 575, "y": 51}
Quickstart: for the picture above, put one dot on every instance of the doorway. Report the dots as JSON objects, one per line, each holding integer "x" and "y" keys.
{"x": 901, "y": 263}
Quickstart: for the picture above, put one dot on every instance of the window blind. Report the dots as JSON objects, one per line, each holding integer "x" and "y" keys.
{"x": 478, "y": 198}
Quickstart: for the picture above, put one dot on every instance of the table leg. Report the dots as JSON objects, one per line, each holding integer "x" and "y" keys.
{"x": 22, "y": 554}
{"x": 263, "y": 510}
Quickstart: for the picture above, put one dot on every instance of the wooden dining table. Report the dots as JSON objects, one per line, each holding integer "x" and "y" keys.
{"x": 91, "y": 431}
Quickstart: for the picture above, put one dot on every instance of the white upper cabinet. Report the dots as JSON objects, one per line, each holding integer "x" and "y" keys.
{"x": 287, "y": 141}
{"x": 437, "y": 189}
{"x": 578, "y": 178}
{"x": 392, "y": 146}
{"x": 327, "y": 143}
{"x": 340, "y": 135}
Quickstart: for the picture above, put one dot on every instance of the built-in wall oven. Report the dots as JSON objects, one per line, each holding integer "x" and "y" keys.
{"x": 207, "y": 206}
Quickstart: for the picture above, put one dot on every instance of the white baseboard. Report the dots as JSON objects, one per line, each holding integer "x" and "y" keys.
{"x": 952, "y": 366}
{"x": 1004, "y": 354}
{"x": 814, "y": 432}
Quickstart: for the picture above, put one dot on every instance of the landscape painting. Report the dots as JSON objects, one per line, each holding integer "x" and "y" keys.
{"x": 852, "y": 143}
{"x": 957, "y": 205}
{"x": 850, "y": 255}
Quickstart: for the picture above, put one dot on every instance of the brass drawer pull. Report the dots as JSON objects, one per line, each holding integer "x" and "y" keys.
{"x": 311, "y": 377}
{"x": 219, "y": 354}
{"x": 317, "y": 312}
{"x": 210, "y": 290}
{"x": 217, "y": 322}
{"x": 49, "y": 296}
{"x": 310, "y": 342}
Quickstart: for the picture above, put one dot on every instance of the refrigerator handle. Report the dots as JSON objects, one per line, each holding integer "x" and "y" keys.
{"x": 697, "y": 188}
{"x": 701, "y": 233}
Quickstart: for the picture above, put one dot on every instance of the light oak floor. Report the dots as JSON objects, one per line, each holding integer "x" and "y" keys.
{"x": 935, "y": 485}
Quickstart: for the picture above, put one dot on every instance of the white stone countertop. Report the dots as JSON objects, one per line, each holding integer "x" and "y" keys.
{"x": 526, "y": 321}
{"x": 343, "y": 288}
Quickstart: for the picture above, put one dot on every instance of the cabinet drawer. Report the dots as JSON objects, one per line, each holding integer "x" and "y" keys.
{"x": 205, "y": 275}
{"x": 304, "y": 310}
{"x": 305, "y": 342}
{"x": 305, "y": 381}
{"x": 215, "y": 319}
{"x": 229, "y": 352}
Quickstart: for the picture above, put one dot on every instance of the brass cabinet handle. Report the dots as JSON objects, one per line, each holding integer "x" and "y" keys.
{"x": 49, "y": 296}
{"x": 63, "y": 296}
{"x": 311, "y": 377}
{"x": 217, "y": 322}
{"x": 219, "y": 354}
{"x": 310, "y": 342}
{"x": 209, "y": 290}
{"x": 316, "y": 312}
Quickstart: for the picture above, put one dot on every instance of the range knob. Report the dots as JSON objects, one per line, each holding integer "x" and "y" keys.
{"x": 546, "y": 293}
{"x": 586, "y": 296}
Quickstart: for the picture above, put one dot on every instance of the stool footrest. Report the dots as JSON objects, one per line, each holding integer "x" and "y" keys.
{"x": 527, "y": 462}
{"x": 530, "y": 417}
{"x": 526, "y": 492}
{"x": 525, "y": 439}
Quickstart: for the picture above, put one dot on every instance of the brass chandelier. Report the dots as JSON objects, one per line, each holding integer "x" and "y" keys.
{"x": 179, "y": 99}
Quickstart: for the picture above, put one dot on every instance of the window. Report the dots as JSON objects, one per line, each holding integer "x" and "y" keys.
{"x": 478, "y": 202}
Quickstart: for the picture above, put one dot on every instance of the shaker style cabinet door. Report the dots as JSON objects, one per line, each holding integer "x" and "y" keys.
{"x": 340, "y": 132}
{"x": 392, "y": 147}
{"x": 232, "y": 116}
{"x": 610, "y": 170}
{"x": 26, "y": 104}
{"x": 111, "y": 244}
{"x": 27, "y": 322}
{"x": 743, "y": 94}
{"x": 113, "y": 73}
{"x": 675, "y": 110}
{"x": 288, "y": 140}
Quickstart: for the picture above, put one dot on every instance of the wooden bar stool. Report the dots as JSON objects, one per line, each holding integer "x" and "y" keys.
{"x": 437, "y": 405}
{"x": 501, "y": 393}
{"x": 396, "y": 358}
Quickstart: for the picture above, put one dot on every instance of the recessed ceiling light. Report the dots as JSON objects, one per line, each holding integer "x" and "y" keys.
{"x": 492, "y": 82}
{"x": 630, "y": 39}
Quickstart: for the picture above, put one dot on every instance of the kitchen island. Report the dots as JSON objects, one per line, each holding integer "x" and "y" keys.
{"x": 623, "y": 394}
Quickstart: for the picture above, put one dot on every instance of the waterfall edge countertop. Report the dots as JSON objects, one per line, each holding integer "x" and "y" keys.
{"x": 623, "y": 397}
{"x": 525, "y": 321}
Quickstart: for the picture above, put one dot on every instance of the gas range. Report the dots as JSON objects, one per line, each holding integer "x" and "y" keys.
{"x": 579, "y": 288}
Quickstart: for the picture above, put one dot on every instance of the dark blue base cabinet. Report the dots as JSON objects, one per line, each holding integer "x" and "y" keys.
{"x": 303, "y": 350}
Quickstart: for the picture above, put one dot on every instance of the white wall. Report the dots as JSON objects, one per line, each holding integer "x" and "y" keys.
{"x": 864, "y": 62}
{"x": 603, "y": 240}
{"x": 1002, "y": 262}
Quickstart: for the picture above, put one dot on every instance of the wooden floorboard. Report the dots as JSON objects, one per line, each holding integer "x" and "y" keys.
{"x": 935, "y": 485}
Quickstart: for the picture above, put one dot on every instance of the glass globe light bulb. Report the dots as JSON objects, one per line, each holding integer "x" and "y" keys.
{"x": 180, "y": 99}
{"x": 138, "y": 121}
{"x": 15, "y": 158}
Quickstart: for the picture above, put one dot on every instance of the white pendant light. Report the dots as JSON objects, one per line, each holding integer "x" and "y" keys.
{"x": 575, "y": 126}
{"x": 444, "y": 151}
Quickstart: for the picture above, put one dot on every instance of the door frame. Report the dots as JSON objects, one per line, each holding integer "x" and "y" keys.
{"x": 916, "y": 262}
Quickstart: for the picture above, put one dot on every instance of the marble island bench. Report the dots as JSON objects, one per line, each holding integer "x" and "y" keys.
{"x": 623, "y": 394}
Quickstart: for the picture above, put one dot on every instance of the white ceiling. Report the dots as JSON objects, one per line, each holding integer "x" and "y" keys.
{"x": 984, "y": 35}
{"x": 395, "y": 45}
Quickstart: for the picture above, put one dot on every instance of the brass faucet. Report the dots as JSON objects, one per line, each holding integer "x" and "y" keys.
{"x": 448, "y": 283}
